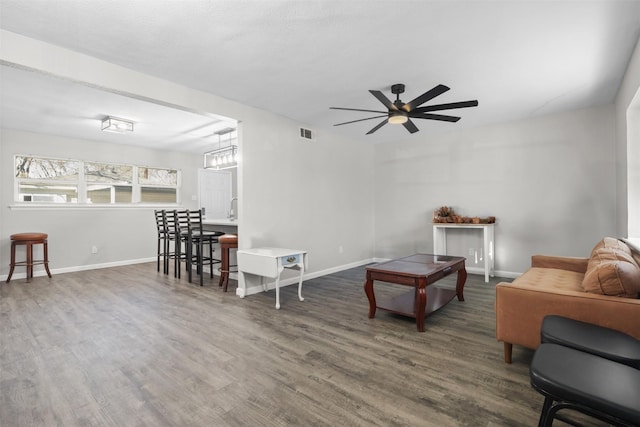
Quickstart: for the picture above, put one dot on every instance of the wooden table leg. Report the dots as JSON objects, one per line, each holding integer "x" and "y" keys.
{"x": 462, "y": 278}
{"x": 421, "y": 303}
{"x": 368, "y": 289}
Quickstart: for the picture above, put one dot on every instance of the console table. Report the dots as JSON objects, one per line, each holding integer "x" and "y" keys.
{"x": 271, "y": 262}
{"x": 440, "y": 242}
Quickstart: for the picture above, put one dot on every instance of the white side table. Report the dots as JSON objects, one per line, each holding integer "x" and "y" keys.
{"x": 270, "y": 262}
{"x": 440, "y": 242}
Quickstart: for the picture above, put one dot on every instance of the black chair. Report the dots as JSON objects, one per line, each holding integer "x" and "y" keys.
{"x": 201, "y": 239}
{"x": 161, "y": 239}
{"x": 170, "y": 246}
{"x": 193, "y": 236}
{"x": 583, "y": 382}
{"x": 181, "y": 235}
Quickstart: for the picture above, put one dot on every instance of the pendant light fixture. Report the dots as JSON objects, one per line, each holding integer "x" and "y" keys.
{"x": 223, "y": 157}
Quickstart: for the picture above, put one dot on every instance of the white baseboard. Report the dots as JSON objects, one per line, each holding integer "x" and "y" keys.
{"x": 54, "y": 271}
{"x": 243, "y": 292}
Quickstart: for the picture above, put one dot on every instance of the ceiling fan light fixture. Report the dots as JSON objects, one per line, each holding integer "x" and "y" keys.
{"x": 398, "y": 118}
{"x": 400, "y": 113}
{"x": 114, "y": 124}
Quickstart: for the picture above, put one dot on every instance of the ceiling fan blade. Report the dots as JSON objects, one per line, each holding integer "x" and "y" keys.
{"x": 357, "y": 109}
{"x": 449, "y": 106}
{"x": 434, "y": 117}
{"x": 430, "y": 94}
{"x": 380, "y": 97}
{"x": 382, "y": 123}
{"x": 360, "y": 120}
{"x": 410, "y": 126}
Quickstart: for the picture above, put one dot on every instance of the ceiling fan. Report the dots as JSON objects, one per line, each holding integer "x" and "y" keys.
{"x": 401, "y": 113}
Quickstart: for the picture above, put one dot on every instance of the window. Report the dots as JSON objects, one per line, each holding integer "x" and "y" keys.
{"x": 46, "y": 180}
{"x": 157, "y": 185}
{"x": 108, "y": 183}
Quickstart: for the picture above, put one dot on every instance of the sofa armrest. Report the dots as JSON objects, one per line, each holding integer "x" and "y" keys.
{"x": 579, "y": 265}
{"x": 521, "y": 308}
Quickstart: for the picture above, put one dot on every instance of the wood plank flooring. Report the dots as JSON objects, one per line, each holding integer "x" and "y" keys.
{"x": 128, "y": 346}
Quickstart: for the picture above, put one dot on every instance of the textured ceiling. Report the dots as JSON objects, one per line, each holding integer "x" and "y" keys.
{"x": 297, "y": 58}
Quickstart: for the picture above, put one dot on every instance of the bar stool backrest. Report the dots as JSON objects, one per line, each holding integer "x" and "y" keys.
{"x": 160, "y": 226}
{"x": 195, "y": 222}
{"x": 181, "y": 218}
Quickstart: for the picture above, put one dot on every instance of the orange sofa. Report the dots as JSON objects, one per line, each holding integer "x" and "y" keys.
{"x": 602, "y": 289}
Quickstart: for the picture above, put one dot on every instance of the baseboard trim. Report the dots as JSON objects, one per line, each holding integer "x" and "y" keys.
{"x": 54, "y": 271}
{"x": 243, "y": 292}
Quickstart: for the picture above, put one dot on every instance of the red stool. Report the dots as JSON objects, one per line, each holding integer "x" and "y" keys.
{"x": 227, "y": 241}
{"x": 28, "y": 240}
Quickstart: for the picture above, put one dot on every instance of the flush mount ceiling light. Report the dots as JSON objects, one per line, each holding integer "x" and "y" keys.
{"x": 114, "y": 124}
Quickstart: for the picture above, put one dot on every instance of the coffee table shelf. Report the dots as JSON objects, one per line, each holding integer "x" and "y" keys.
{"x": 405, "y": 304}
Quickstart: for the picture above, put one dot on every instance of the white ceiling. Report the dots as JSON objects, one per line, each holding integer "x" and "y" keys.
{"x": 38, "y": 102}
{"x": 297, "y": 58}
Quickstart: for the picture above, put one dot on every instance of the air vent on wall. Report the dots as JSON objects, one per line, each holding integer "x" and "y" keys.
{"x": 306, "y": 134}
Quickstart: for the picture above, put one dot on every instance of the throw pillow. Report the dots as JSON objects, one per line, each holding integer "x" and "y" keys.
{"x": 614, "y": 278}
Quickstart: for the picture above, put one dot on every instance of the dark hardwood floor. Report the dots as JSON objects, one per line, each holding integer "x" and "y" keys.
{"x": 128, "y": 346}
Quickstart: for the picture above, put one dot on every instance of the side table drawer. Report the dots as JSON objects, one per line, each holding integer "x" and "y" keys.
{"x": 289, "y": 260}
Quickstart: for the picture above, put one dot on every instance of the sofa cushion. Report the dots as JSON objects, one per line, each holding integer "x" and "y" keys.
{"x": 611, "y": 243}
{"x": 612, "y": 277}
{"x": 551, "y": 278}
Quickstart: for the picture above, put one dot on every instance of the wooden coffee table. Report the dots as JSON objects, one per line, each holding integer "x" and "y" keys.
{"x": 419, "y": 271}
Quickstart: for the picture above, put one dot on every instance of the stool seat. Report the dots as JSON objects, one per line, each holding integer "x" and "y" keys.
{"x": 28, "y": 240}
{"x": 590, "y": 384}
{"x": 228, "y": 238}
{"x": 29, "y": 236}
{"x": 590, "y": 338}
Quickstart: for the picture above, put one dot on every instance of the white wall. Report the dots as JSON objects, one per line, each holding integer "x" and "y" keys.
{"x": 628, "y": 145}
{"x": 121, "y": 235}
{"x": 550, "y": 181}
{"x": 313, "y": 195}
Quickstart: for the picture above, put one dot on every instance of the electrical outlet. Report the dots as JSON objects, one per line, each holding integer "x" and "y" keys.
{"x": 340, "y": 249}
{"x": 471, "y": 251}
{"x": 94, "y": 249}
